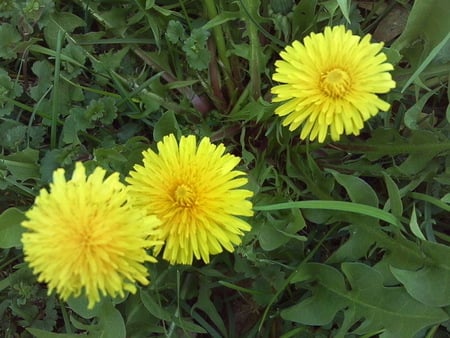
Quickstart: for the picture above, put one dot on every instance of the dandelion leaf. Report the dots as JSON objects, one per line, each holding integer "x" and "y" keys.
{"x": 368, "y": 305}
{"x": 431, "y": 283}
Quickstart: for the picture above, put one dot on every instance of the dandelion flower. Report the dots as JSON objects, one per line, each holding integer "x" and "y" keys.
{"x": 84, "y": 237}
{"x": 330, "y": 83}
{"x": 196, "y": 194}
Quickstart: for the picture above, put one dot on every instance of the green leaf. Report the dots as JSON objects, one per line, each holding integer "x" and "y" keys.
{"x": 166, "y": 125}
{"x": 414, "y": 226}
{"x": 412, "y": 115}
{"x": 153, "y": 307}
{"x": 417, "y": 27}
{"x": 367, "y": 303}
{"x": 22, "y": 165}
{"x": 9, "y": 37}
{"x": 10, "y": 228}
{"x": 175, "y": 32}
{"x": 358, "y": 190}
{"x": 197, "y": 54}
{"x": 394, "y": 203}
{"x": 9, "y": 89}
{"x": 44, "y": 71}
{"x": 431, "y": 284}
{"x": 65, "y": 21}
{"x": 344, "y": 5}
{"x": 207, "y": 306}
{"x": 274, "y": 233}
{"x": 111, "y": 321}
{"x": 37, "y": 333}
{"x": 110, "y": 61}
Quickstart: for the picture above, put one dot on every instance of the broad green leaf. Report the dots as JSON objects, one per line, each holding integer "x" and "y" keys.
{"x": 412, "y": 115}
{"x": 418, "y": 28}
{"x": 430, "y": 284}
{"x": 111, "y": 321}
{"x": 358, "y": 190}
{"x": 9, "y": 37}
{"x": 64, "y": 21}
{"x": 22, "y": 165}
{"x": 303, "y": 17}
{"x": 153, "y": 307}
{"x": 367, "y": 237}
{"x": 80, "y": 306}
{"x": 166, "y": 125}
{"x": 368, "y": 303}
{"x": 10, "y": 228}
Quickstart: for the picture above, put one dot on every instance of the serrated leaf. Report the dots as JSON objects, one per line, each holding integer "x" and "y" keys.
{"x": 44, "y": 71}
{"x": 197, "y": 54}
{"x": 10, "y": 228}
{"x": 65, "y": 21}
{"x": 9, "y": 37}
{"x": 110, "y": 61}
{"x": 175, "y": 32}
{"x": 430, "y": 284}
{"x": 9, "y": 89}
{"x": 417, "y": 28}
{"x": 368, "y": 303}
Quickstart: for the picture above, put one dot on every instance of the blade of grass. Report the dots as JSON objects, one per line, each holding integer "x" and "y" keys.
{"x": 55, "y": 92}
{"x": 210, "y": 6}
{"x": 335, "y": 205}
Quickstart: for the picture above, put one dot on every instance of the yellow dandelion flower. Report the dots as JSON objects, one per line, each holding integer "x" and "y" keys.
{"x": 195, "y": 193}
{"x": 330, "y": 83}
{"x": 84, "y": 237}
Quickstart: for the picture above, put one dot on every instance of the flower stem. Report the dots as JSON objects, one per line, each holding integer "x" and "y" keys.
{"x": 255, "y": 47}
{"x": 211, "y": 9}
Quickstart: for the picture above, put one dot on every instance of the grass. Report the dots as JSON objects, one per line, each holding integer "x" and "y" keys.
{"x": 349, "y": 238}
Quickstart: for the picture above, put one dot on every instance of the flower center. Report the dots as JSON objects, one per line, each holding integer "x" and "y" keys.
{"x": 335, "y": 83}
{"x": 185, "y": 196}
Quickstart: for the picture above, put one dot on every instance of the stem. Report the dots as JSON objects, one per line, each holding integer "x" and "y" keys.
{"x": 211, "y": 9}
{"x": 255, "y": 48}
{"x": 55, "y": 94}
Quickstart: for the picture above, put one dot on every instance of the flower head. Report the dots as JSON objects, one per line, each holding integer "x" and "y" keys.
{"x": 330, "y": 83}
{"x": 195, "y": 193}
{"x": 84, "y": 237}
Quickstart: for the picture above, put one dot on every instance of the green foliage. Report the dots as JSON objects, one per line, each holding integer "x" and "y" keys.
{"x": 348, "y": 239}
{"x": 366, "y": 302}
